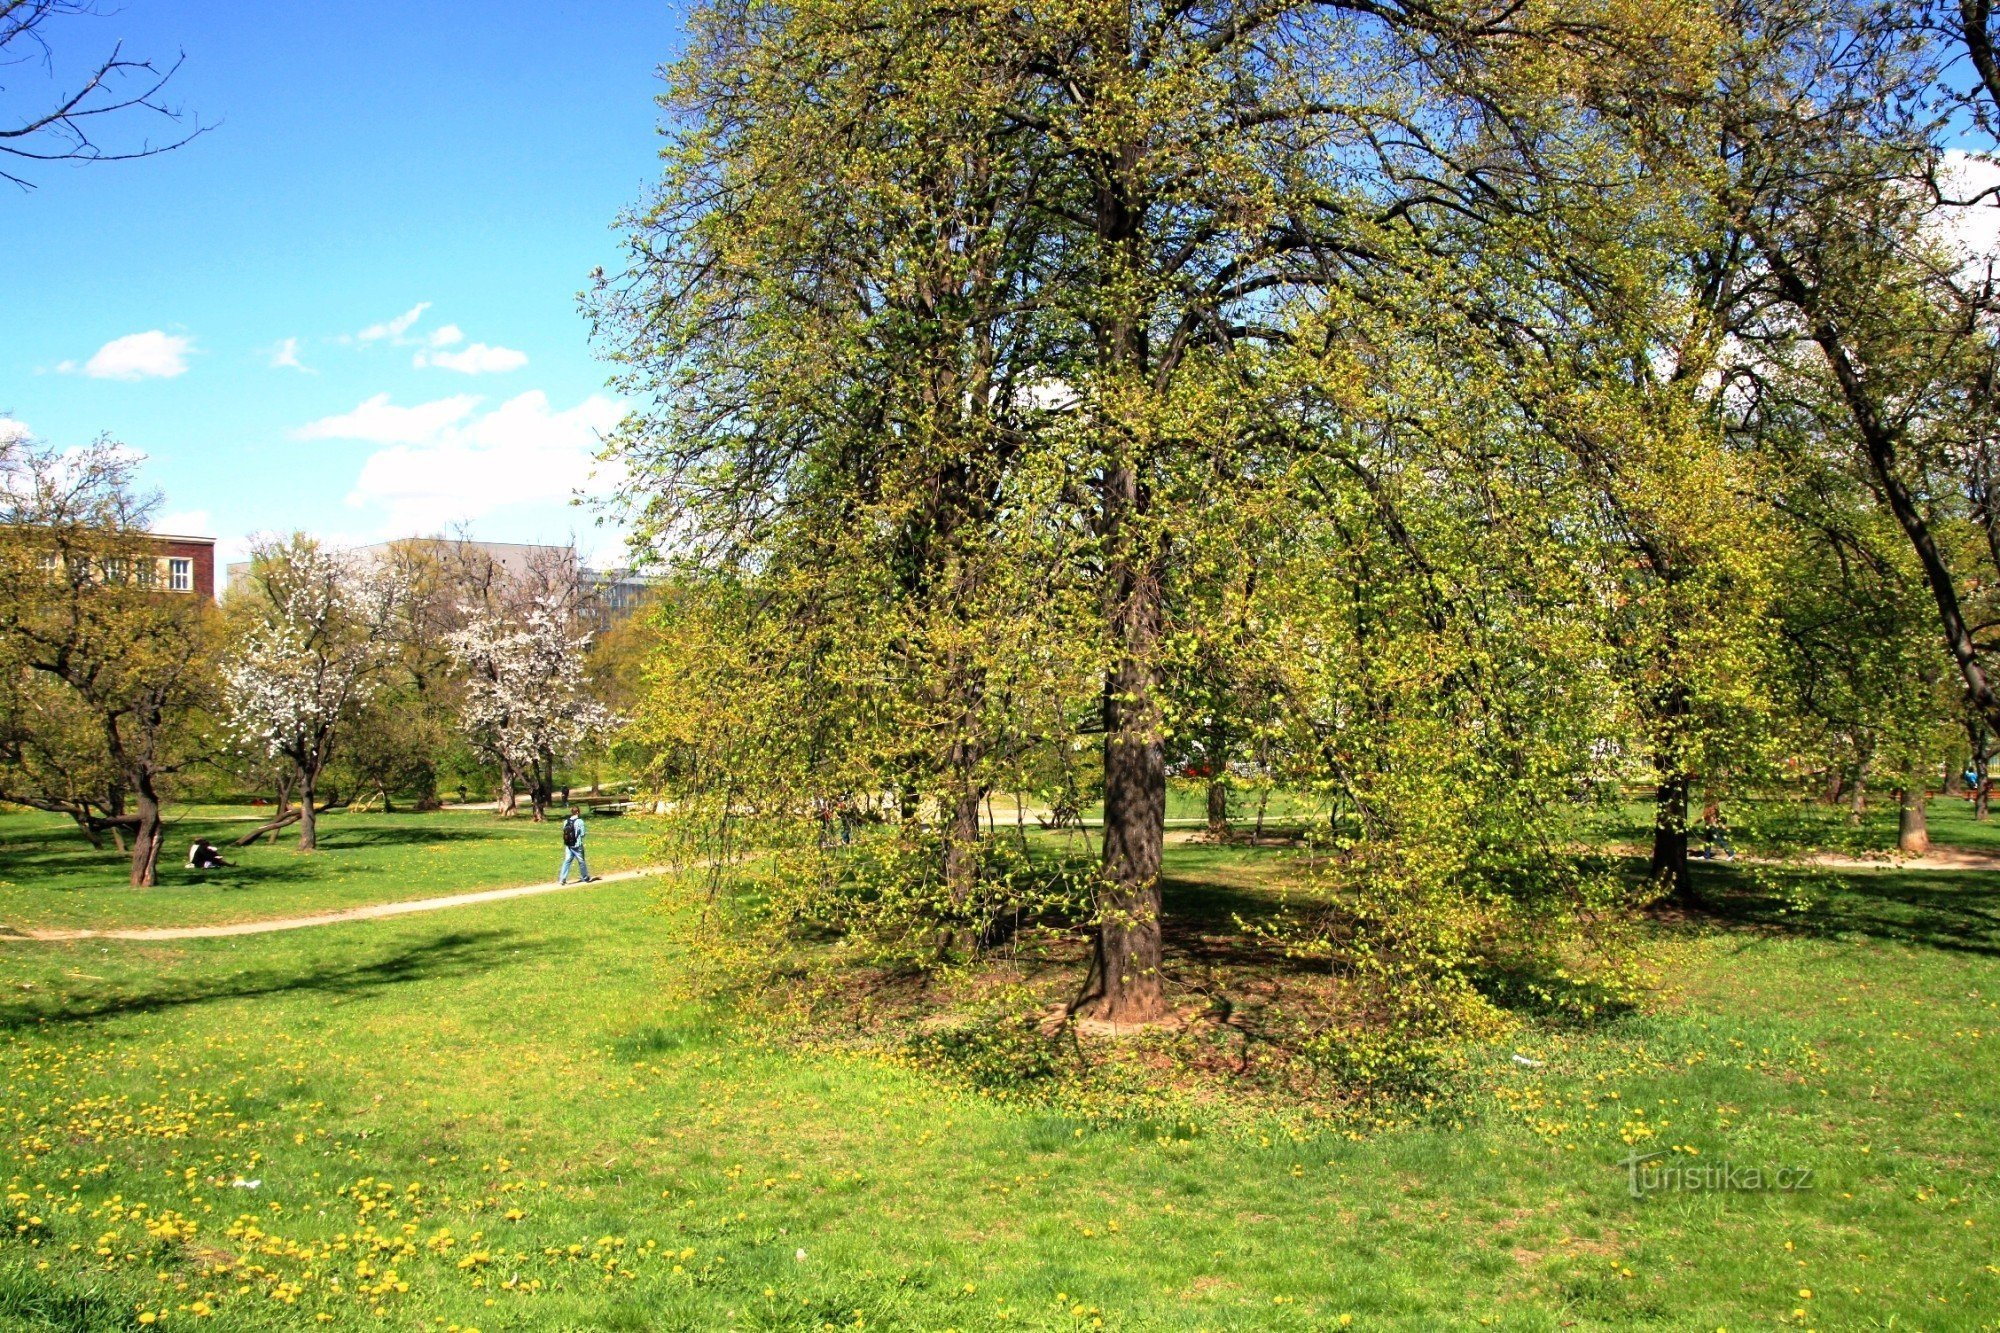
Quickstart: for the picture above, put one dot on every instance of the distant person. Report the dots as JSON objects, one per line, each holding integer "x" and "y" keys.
{"x": 573, "y": 831}
{"x": 1715, "y": 833}
{"x": 203, "y": 856}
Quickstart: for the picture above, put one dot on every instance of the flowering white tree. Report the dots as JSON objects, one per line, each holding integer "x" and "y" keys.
{"x": 302, "y": 671}
{"x": 528, "y": 698}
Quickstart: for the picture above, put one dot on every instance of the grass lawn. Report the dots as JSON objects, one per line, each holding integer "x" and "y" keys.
{"x": 491, "y": 1118}
{"x": 50, "y": 876}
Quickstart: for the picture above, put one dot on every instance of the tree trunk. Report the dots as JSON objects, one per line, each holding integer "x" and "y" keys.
{"x": 1913, "y": 836}
{"x": 388, "y": 806}
{"x": 961, "y": 831}
{"x": 1982, "y": 779}
{"x": 1858, "y": 805}
{"x": 541, "y": 790}
{"x": 147, "y": 838}
{"x": 961, "y": 842}
{"x": 1125, "y": 986}
{"x": 1218, "y": 809}
{"x": 1836, "y": 783}
{"x": 1670, "y": 837}
{"x": 271, "y": 827}
{"x": 505, "y": 801}
{"x": 308, "y": 813}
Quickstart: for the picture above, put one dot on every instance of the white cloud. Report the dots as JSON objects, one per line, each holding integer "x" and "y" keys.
{"x": 394, "y": 328}
{"x": 475, "y": 359}
{"x": 445, "y": 335}
{"x": 186, "y": 523}
{"x": 379, "y": 421}
{"x": 285, "y": 356}
{"x": 446, "y": 464}
{"x": 137, "y": 356}
{"x": 14, "y": 432}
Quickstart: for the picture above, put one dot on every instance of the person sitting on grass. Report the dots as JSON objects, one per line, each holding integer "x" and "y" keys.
{"x": 203, "y": 856}
{"x": 572, "y": 836}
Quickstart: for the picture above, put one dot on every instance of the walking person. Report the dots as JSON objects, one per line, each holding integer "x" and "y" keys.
{"x": 572, "y": 835}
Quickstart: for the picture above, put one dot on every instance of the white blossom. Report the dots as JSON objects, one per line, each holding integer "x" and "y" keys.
{"x": 527, "y": 696}
{"x": 298, "y": 675}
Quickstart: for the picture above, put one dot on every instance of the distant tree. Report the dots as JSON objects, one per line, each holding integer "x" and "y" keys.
{"x": 528, "y": 699}
{"x": 110, "y": 678}
{"x": 310, "y": 661}
{"x": 62, "y": 125}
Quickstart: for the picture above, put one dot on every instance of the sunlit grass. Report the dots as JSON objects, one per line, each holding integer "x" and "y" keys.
{"x": 494, "y": 1117}
{"x": 50, "y": 876}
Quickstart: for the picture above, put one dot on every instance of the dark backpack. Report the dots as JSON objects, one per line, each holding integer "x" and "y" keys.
{"x": 569, "y": 831}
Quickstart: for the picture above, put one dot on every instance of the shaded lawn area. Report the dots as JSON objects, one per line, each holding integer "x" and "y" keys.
{"x": 498, "y": 1117}
{"x": 1949, "y": 818}
{"x": 51, "y": 876}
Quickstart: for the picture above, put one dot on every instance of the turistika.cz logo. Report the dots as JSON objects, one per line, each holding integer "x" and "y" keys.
{"x": 1642, "y": 1177}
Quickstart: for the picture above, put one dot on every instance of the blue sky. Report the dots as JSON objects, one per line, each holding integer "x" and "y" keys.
{"x": 350, "y": 307}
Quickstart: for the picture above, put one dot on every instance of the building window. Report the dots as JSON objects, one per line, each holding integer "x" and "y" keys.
{"x": 180, "y": 574}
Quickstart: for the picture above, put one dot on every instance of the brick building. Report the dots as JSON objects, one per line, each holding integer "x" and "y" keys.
{"x": 183, "y": 564}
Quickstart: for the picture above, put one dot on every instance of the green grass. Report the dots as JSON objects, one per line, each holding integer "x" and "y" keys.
{"x": 671, "y": 1169}
{"x": 50, "y": 876}
{"x": 1949, "y": 818}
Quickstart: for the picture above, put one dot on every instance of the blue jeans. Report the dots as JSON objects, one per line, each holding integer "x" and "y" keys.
{"x": 573, "y": 855}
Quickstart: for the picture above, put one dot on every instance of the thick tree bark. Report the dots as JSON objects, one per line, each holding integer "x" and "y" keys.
{"x": 308, "y": 815}
{"x": 1670, "y": 836}
{"x": 147, "y": 837}
{"x": 1913, "y": 837}
{"x": 541, "y": 789}
{"x": 1218, "y": 809}
{"x": 506, "y": 801}
{"x": 1669, "y": 868}
{"x": 961, "y": 840}
{"x": 965, "y": 692}
{"x": 1982, "y": 779}
{"x": 1125, "y": 985}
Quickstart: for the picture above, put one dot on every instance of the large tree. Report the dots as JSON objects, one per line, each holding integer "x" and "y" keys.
{"x": 112, "y": 674}
{"x": 1155, "y": 186}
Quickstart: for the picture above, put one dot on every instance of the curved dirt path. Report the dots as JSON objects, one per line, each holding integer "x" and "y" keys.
{"x": 367, "y": 913}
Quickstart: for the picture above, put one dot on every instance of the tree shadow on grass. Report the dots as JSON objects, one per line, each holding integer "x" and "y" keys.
{"x": 1201, "y": 923}
{"x": 335, "y": 838}
{"x": 453, "y": 956}
{"x": 62, "y": 866}
{"x": 1955, "y": 910}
